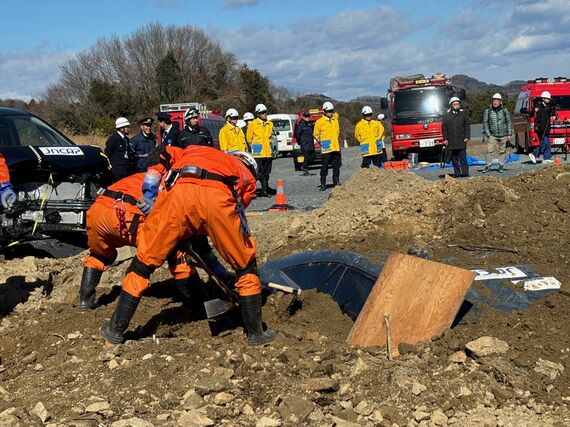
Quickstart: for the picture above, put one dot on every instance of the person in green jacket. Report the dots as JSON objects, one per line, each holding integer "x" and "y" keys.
{"x": 498, "y": 130}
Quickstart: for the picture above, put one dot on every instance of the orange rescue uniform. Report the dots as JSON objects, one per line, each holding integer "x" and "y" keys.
{"x": 194, "y": 206}
{"x": 110, "y": 226}
{"x": 4, "y": 172}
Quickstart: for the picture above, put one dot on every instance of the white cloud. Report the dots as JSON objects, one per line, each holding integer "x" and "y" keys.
{"x": 26, "y": 74}
{"x": 234, "y": 4}
{"x": 356, "y": 52}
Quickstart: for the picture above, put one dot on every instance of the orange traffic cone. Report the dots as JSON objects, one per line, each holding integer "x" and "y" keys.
{"x": 280, "y": 199}
{"x": 558, "y": 161}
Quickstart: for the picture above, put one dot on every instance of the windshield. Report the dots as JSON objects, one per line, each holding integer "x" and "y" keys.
{"x": 281, "y": 125}
{"x": 29, "y": 130}
{"x": 416, "y": 104}
{"x": 561, "y": 102}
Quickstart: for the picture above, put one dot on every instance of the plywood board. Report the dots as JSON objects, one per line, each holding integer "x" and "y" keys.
{"x": 421, "y": 298}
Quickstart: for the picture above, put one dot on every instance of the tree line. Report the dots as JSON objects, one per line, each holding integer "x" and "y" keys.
{"x": 133, "y": 75}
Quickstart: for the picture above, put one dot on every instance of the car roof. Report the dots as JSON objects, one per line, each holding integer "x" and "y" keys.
{"x": 4, "y": 111}
{"x": 282, "y": 116}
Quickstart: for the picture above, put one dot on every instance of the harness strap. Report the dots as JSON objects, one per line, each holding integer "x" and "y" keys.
{"x": 118, "y": 195}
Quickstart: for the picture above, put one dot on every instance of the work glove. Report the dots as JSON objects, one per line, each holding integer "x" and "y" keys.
{"x": 7, "y": 195}
{"x": 150, "y": 185}
{"x": 145, "y": 205}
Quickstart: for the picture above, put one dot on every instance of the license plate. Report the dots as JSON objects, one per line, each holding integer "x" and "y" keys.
{"x": 427, "y": 142}
{"x": 300, "y": 159}
{"x": 558, "y": 141}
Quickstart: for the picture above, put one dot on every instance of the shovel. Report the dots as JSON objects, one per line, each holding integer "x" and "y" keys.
{"x": 217, "y": 306}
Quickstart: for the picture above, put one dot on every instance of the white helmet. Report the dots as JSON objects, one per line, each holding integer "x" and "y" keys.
{"x": 545, "y": 94}
{"x": 232, "y": 112}
{"x": 366, "y": 110}
{"x": 327, "y": 106}
{"x": 497, "y": 96}
{"x": 191, "y": 113}
{"x": 121, "y": 122}
{"x": 260, "y": 108}
{"x": 248, "y": 161}
{"x": 248, "y": 116}
{"x": 381, "y": 116}
{"x": 454, "y": 99}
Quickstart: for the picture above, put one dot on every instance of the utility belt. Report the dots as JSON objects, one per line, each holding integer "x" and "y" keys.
{"x": 120, "y": 199}
{"x": 199, "y": 173}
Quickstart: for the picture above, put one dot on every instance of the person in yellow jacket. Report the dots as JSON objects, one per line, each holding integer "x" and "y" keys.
{"x": 327, "y": 131}
{"x": 231, "y": 136}
{"x": 369, "y": 133}
{"x": 258, "y": 136}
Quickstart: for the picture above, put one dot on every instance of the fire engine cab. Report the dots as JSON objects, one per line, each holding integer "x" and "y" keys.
{"x": 523, "y": 118}
{"x": 212, "y": 120}
{"x": 416, "y": 106}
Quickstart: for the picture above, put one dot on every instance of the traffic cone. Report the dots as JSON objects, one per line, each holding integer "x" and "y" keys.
{"x": 345, "y": 144}
{"x": 558, "y": 161}
{"x": 280, "y": 199}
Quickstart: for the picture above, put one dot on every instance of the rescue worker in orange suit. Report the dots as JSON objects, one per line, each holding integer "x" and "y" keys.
{"x": 207, "y": 192}
{"x": 7, "y": 195}
{"x": 113, "y": 221}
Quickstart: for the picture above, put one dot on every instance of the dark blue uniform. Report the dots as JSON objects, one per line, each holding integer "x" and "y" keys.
{"x": 142, "y": 145}
{"x": 121, "y": 155}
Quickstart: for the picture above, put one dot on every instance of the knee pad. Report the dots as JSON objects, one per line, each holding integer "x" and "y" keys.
{"x": 140, "y": 268}
{"x": 250, "y": 268}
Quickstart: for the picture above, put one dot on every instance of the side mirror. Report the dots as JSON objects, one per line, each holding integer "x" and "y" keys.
{"x": 524, "y": 110}
{"x": 384, "y": 103}
{"x": 462, "y": 95}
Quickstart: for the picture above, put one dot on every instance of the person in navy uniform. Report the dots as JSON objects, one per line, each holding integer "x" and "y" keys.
{"x": 119, "y": 151}
{"x": 143, "y": 143}
{"x": 193, "y": 133}
{"x": 169, "y": 131}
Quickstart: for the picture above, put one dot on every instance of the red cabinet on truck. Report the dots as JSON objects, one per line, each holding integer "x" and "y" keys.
{"x": 523, "y": 118}
{"x": 416, "y": 106}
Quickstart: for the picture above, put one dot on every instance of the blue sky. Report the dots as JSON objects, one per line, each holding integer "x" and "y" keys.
{"x": 340, "y": 48}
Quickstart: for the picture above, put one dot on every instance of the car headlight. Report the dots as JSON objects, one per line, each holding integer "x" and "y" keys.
{"x": 296, "y": 146}
{"x": 403, "y": 136}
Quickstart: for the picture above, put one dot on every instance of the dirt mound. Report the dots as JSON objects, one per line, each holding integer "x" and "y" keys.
{"x": 177, "y": 370}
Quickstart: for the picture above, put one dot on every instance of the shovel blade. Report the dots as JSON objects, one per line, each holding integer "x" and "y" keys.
{"x": 217, "y": 307}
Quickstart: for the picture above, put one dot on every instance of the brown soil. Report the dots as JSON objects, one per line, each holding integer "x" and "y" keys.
{"x": 52, "y": 354}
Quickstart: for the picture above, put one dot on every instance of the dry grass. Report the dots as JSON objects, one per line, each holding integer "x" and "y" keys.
{"x": 96, "y": 140}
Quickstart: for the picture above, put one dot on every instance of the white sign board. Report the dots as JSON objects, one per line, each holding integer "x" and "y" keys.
{"x": 61, "y": 151}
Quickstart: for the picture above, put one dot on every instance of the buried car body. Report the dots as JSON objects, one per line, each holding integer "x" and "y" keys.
{"x": 56, "y": 181}
{"x": 349, "y": 278}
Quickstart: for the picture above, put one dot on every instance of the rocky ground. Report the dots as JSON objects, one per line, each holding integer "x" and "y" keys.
{"x": 177, "y": 370}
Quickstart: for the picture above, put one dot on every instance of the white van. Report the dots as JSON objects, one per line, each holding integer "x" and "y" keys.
{"x": 284, "y": 125}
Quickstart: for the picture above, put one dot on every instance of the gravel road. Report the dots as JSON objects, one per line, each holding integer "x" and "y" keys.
{"x": 303, "y": 191}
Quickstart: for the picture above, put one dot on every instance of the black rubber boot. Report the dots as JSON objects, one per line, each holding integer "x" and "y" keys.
{"x": 251, "y": 314}
{"x": 323, "y": 183}
{"x": 263, "y": 182}
{"x": 270, "y": 191}
{"x": 113, "y": 330}
{"x": 336, "y": 180}
{"x": 89, "y": 281}
{"x": 192, "y": 290}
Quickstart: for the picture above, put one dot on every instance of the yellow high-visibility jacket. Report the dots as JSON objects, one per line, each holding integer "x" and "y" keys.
{"x": 232, "y": 138}
{"x": 259, "y": 134}
{"x": 327, "y": 132}
{"x": 369, "y": 135}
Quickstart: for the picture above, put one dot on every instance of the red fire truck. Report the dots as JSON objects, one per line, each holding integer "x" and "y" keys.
{"x": 211, "y": 120}
{"x": 416, "y": 106}
{"x": 523, "y": 118}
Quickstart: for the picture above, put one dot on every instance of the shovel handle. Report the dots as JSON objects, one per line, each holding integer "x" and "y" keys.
{"x": 288, "y": 289}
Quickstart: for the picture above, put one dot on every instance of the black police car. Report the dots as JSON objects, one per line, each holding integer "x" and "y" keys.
{"x": 56, "y": 180}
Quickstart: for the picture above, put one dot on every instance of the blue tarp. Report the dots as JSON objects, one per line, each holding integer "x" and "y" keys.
{"x": 473, "y": 161}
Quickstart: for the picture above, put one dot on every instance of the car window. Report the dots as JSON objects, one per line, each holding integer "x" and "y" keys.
{"x": 30, "y": 130}
{"x": 310, "y": 275}
{"x": 331, "y": 283}
{"x": 354, "y": 285}
{"x": 281, "y": 125}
